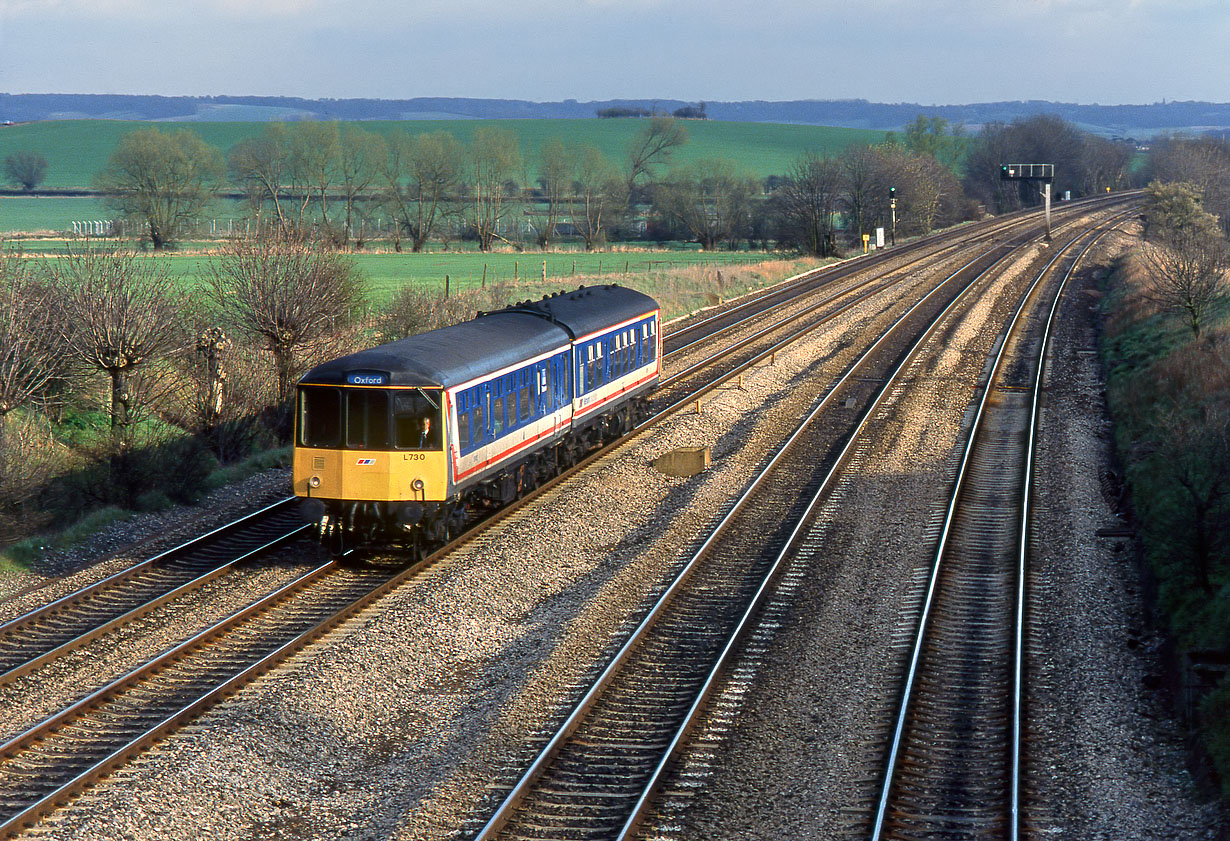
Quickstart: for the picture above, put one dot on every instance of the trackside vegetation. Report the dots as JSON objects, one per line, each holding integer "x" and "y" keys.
{"x": 1168, "y": 390}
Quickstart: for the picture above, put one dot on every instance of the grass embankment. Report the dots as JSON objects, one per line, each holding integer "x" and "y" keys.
{"x": 1169, "y": 396}
{"x": 82, "y": 482}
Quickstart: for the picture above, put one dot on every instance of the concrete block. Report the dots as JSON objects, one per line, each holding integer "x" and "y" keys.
{"x": 684, "y": 462}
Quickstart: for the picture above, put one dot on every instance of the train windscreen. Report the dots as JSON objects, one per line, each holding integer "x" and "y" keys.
{"x": 370, "y": 418}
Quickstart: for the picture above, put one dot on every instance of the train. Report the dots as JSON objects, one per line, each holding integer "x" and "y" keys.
{"x": 406, "y": 442}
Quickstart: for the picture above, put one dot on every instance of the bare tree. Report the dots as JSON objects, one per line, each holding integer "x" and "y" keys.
{"x": 1186, "y": 256}
{"x": 556, "y": 165}
{"x": 598, "y": 194}
{"x": 1187, "y": 275}
{"x": 162, "y": 179}
{"x": 709, "y": 198}
{"x": 361, "y": 155}
{"x": 861, "y": 185}
{"x": 1105, "y": 164}
{"x": 495, "y": 156}
{"x": 291, "y": 297}
{"x": 31, "y": 348}
{"x": 312, "y": 163}
{"x": 258, "y": 166}
{"x": 652, "y": 146}
{"x": 26, "y": 168}
{"x": 807, "y": 202}
{"x": 120, "y": 312}
{"x": 990, "y": 149}
{"x": 430, "y": 165}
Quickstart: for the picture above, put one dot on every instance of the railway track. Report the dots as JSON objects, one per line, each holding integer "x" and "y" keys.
{"x": 953, "y": 766}
{"x": 94, "y": 759}
{"x": 47, "y": 633}
{"x": 596, "y": 774}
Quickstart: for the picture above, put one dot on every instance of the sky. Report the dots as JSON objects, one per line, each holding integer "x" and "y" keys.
{"x": 930, "y": 52}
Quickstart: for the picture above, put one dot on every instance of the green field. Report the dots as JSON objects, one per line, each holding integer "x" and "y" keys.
{"x": 57, "y": 213}
{"x": 77, "y": 149}
{"x": 385, "y": 273}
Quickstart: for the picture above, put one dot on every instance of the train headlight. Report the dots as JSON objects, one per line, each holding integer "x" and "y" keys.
{"x": 417, "y": 485}
{"x": 314, "y": 482}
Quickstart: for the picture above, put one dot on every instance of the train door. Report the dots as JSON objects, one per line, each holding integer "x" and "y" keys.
{"x": 542, "y": 389}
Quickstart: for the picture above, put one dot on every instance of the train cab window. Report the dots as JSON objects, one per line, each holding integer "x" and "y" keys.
{"x": 320, "y": 417}
{"x": 367, "y": 419}
{"x": 416, "y": 417}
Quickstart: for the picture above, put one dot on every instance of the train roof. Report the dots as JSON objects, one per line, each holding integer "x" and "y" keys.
{"x": 454, "y": 355}
{"x": 589, "y": 309}
{"x": 448, "y": 356}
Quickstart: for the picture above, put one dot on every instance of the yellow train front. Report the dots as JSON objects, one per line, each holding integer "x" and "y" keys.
{"x": 404, "y": 442}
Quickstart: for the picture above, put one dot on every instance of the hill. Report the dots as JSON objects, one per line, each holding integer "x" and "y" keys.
{"x": 1126, "y": 120}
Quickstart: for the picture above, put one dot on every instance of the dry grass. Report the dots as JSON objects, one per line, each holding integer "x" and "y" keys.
{"x": 679, "y": 291}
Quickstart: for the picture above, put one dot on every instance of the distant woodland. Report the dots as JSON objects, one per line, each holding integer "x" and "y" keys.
{"x": 1110, "y": 120}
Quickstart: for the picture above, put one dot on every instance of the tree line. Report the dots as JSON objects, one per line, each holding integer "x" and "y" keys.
{"x": 340, "y": 183}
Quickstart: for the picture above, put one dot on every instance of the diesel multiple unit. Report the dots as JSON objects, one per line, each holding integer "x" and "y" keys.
{"x": 403, "y": 441}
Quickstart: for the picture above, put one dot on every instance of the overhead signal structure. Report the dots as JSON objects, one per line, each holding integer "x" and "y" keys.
{"x": 1032, "y": 172}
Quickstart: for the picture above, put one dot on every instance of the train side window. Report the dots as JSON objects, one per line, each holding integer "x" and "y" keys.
{"x": 510, "y": 399}
{"x": 320, "y": 417}
{"x": 463, "y": 430}
{"x": 497, "y": 415}
{"x": 480, "y": 424}
{"x": 525, "y": 403}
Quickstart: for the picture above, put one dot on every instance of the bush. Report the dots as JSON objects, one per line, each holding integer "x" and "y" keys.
{"x": 153, "y": 501}
{"x": 1215, "y": 729}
